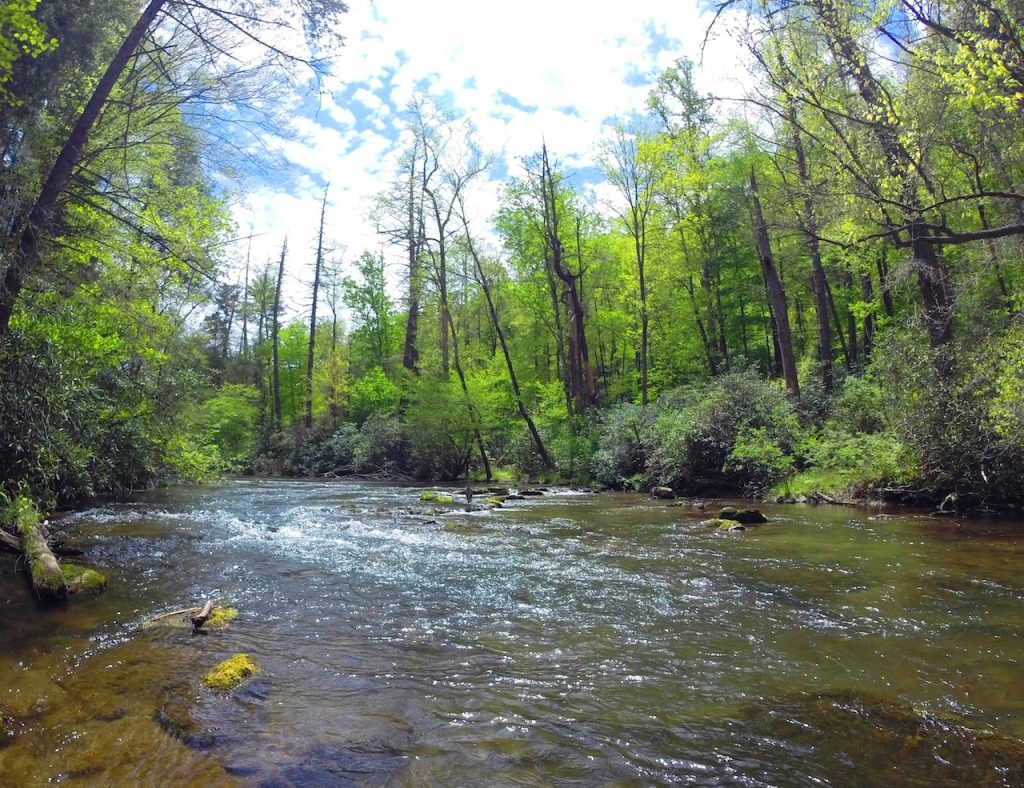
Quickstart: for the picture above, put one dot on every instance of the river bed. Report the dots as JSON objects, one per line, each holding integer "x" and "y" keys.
{"x": 569, "y": 639}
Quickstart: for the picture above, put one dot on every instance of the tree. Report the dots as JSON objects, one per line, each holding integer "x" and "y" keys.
{"x": 317, "y": 265}
{"x": 21, "y": 34}
{"x": 37, "y": 225}
{"x": 776, "y": 293}
{"x": 372, "y": 309}
{"x": 482, "y": 279}
{"x": 635, "y": 173}
{"x": 275, "y": 337}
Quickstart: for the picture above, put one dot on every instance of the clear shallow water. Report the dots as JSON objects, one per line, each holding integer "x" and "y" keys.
{"x": 573, "y": 639}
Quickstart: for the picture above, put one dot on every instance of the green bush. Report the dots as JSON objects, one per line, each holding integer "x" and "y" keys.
{"x": 735, "y": 432}
{"x": 440, "y": 425}
{"x": 373, "y": 393}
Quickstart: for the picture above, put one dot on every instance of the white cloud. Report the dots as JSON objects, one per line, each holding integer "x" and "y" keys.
{"x": 572, "y": 64}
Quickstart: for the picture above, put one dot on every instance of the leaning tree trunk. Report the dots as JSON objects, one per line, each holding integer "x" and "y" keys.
{"x": 41, "y": 217}
{"x": 521, "y": 406}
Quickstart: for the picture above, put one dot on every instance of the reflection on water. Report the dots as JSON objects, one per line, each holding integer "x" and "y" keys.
{"x": 572, "y": 639}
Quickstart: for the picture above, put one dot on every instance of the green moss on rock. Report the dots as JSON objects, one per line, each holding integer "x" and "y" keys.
{"x": 723, "y": 524}
{"x": 431, "y": 496}
{"x": 82, "y": 579}
{"x": 221, "y": 617}
{"x": 231, "y": 673}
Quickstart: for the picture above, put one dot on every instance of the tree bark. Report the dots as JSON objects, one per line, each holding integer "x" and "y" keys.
{"x": 776, "y": 293}
{"x": 578, "y": 355}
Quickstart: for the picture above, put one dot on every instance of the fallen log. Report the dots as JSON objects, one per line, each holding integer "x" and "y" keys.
{"x": 10, "y": 541}
{"x": 48, "y": 580}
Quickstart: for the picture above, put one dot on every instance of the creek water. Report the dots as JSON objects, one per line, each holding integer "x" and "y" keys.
{"x": 571, "y": 639}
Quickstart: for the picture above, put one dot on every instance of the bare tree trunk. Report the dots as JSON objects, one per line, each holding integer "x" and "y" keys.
{"x": 883, "y": 283}
{"x": 40, "y": 219}
{"x": 414, "y": 246}
{"x": 275, "y": 339}
{"x": 867, "y": 294}
{"x": 776, "y": 294}
{"x": 578, "y": 355}
{"x": 818, "y": 278}
{"x": 312, "y": 314}
{"x": 472, "y": 408}
{"x": 839, "y": 325}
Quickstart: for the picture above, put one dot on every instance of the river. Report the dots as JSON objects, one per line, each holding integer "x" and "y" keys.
{"x": 570, "y": 639}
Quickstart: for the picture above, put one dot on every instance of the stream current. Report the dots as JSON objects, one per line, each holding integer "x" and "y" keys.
{"x": 570, "y": 639}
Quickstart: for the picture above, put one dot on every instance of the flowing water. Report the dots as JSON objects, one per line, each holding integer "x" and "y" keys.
{"x": 573, "y": 639}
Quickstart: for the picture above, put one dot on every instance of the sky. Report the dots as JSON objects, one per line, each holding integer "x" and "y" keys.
{"x": 552, "y": 70}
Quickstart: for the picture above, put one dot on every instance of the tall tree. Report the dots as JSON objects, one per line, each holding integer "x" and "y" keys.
{"x": 317, "y": 266}
{"x": 254, "y": 22}
{"x": 275, "y": 337}
{"x": 635, "y": 173}
{"x": 776, "y": 293}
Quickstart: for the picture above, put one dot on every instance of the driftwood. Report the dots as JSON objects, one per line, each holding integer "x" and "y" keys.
{"x": 349, "y": 472}
{"x": 203, "y": 617}
{"x": 10, "y": 541}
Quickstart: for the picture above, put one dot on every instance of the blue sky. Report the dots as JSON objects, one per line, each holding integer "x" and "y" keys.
{"x": 558, "y": 70}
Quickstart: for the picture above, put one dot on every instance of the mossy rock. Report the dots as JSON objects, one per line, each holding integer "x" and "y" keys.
{"x": 495, "y": 502}
{"x": 221, "y": 617}
{"x": 432, "y": 496}
{"x": 231, "y": 673}
{"x": 502, "y": 491}
{"x": 723, "y": 524}
{"x": 81, "y": 579}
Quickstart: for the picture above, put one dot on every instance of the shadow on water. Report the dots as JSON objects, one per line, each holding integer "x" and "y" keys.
{"x": 571, "y": 639}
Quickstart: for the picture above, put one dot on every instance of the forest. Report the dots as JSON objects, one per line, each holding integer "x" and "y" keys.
{"x": 816, "y": 290}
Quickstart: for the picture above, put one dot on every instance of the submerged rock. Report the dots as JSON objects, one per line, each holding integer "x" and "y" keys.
{"x": 176, "y": 715}
{"x": 749, "y": 516}
{"x": 81, "y": 579}
{"x": 7, "y": 729}
{"x": 664, "y": 493}
{"x": 723, "y": 524}
{"x": 532, "y": 491}
{"x": 901, "y": 743}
